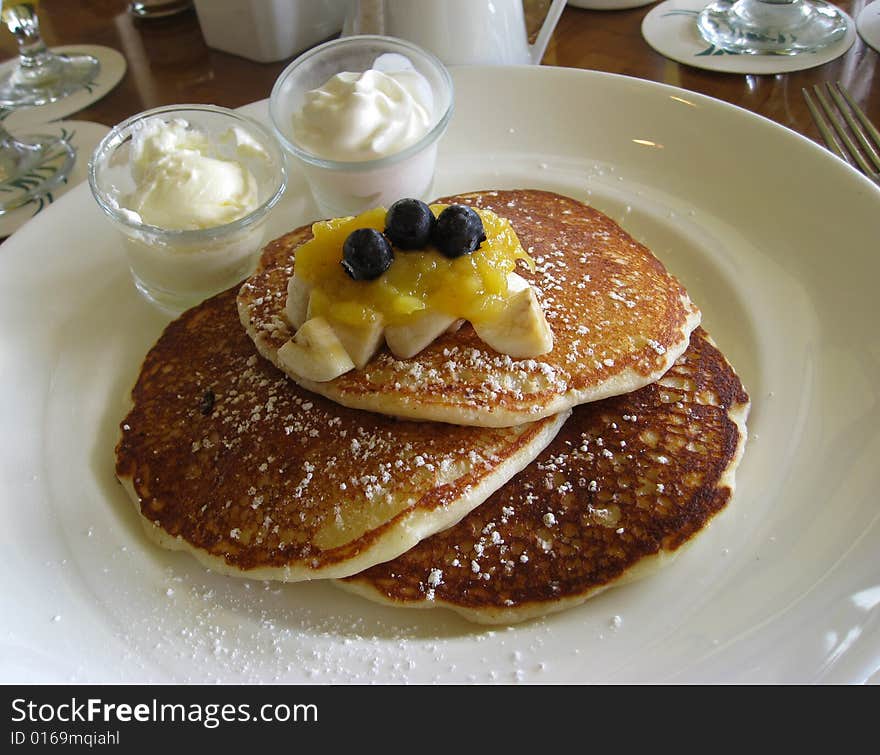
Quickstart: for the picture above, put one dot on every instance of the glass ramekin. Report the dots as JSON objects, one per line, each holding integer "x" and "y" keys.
{"x": 343, "y": 187}
{"x": 176, "y": 269}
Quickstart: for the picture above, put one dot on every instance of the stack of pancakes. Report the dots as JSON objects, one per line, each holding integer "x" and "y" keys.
{"x": 500, "y": 488}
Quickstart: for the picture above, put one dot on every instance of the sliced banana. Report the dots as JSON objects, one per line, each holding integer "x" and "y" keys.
{"x": 361, "y": 342}
{"x": 298, "y": 295}
{"x": 324, "y": 348}
{"x": 516, "y": 283}
{"x": 315, "y": 352}
{"x": 421, "y": 330}
{"x": 521, "y": 331}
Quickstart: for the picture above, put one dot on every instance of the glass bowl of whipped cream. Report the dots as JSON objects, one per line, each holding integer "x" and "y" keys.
{"x": 362, "y": 117}
{"x": 189, "y": 187}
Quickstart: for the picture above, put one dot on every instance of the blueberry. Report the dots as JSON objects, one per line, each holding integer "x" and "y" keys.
{"x": 459, "y": 231}
{"x": 409, "y": 223}
{"x": 366, "y": 254}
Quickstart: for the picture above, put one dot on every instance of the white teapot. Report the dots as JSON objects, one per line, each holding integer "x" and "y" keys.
{"x": 477, "y": 32}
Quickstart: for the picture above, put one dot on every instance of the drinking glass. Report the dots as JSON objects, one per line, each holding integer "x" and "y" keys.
{"x": 41, "y": 76}
{"x": 31, "y": 167}
{"x": 771, "y": 27}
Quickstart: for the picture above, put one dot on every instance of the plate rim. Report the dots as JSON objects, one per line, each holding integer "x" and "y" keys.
{"x": 846, "y": 173}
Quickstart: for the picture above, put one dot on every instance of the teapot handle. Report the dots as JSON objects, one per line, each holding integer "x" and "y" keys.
{"x": 536, "y": 51}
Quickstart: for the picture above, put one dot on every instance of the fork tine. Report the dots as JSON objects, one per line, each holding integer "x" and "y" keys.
{"x": 840, "y": 130}
{"x": 824, "y": 129}
{"x": 867, "y": 127}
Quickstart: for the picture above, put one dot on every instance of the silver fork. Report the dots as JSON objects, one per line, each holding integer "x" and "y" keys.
{"x": 847, "y": 121}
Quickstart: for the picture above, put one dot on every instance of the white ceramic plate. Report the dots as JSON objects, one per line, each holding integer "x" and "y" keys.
{"x": 868, "y": 22}
{"x": 775, "y": 239}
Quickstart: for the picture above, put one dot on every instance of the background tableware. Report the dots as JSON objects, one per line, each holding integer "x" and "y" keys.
{"x": 670, "y": 28}
{"x": 178, "y": 268}
{"x": 30, "y": 166}
{"x": 41, "y": 76}
{"x": 342, "y": 187}
{"x": 850, "y": 135}
{"x": 781, "y": 27}
{"x": 609, "y": 4}
{"x": 82, "y": 137}
{"x": 158, "y": 8}
{"x": 479, "y": 32}
{"x": 113, "y": 66}
{"x": 868, "y": 22}
{"x": 268, "y": 30}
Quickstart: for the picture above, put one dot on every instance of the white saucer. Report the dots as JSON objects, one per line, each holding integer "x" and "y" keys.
{"x": 671, "y": 29}
{"x": 868, "y": 23}
{"x": 84, "y": 137}
{"x": 113, "y": 68}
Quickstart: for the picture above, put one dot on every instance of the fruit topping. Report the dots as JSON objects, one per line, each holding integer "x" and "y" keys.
{"x": 315, "y": 352}
{"x": 422, "y": 329}
{"x": 298, "y": 295}
{"x": 459, "y": 231}
{"x": 409, "y": 224}
{"x": 346, "y": 299}
{"x": 361, "y": 341}
{"x": 471, "y": 287}
{"x": 521, "y": 330}
{"x": 366, "y": 254}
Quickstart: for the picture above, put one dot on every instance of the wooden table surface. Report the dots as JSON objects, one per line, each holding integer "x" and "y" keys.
{"x": 169, "y": 62}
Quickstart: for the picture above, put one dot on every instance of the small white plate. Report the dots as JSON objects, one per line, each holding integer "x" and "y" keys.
{"x": 84, "y": 136}
{"x": 775, "y": 239}
{"x": 671, "y": 29}
{"x": 112, "y": 70}
{"x": 868, "y": 23}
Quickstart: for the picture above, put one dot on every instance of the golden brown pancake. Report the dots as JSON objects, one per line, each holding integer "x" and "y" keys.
{"x": 619, "y": 321}
{"x": 228, "y": 459}
{"x": 625, "y": 484}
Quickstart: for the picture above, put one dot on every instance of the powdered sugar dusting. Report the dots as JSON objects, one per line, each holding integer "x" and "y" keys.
{"x": 623, "y": 479}
{"x": 612, "y": 308}
{"x": 274, "y": 476}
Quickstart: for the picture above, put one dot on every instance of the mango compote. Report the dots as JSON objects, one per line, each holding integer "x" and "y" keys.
{"x": 473, "y": 287}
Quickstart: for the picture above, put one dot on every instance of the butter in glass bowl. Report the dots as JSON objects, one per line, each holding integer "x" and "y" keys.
{"x": 189, "y": 188}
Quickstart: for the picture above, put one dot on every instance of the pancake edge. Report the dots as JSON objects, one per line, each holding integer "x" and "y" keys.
{"x": 400, "y": 534}
{"x": 647, "y": 566}
{"x": 624, "y": 382}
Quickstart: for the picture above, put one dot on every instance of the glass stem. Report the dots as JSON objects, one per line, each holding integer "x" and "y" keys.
{"x": 36, "y": 62}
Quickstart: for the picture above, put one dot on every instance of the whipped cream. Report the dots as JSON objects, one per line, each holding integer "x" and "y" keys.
{"x": 182, "y": 179}
{"x": 358, "y": 116}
